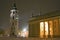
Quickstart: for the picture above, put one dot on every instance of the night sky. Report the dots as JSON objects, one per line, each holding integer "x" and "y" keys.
{"x": 26, "y": 8}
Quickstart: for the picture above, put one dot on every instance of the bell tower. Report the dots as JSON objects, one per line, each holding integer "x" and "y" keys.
{"x": 14, "y": 21}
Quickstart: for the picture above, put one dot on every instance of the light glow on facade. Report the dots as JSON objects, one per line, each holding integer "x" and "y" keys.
{"x": 46, "y": 28}
{"x": 41, "y": 29}
{"x": 51, "y": 27}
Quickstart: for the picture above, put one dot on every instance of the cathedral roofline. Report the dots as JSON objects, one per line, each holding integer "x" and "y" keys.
{"x": 46, "y": 15}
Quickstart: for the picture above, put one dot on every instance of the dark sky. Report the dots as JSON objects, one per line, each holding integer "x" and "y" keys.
{"x": 26, "y": 7}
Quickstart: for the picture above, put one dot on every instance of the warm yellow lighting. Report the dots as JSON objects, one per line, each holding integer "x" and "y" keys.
{"x": 41, "y": 29}
{"x": 46, "y": 29}
{"x": 51, "y": 27}
{"x": 24, "y": 34}
{"x": 19, "y": 33}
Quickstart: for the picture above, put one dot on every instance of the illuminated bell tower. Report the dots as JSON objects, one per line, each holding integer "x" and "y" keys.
{"x": 14, "y": 21}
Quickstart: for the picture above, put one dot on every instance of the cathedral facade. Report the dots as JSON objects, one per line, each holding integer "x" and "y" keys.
{"x": 47, "y": 25}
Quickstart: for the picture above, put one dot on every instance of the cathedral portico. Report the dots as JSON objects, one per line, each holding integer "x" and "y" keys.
{"x": 45, "y": 26}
